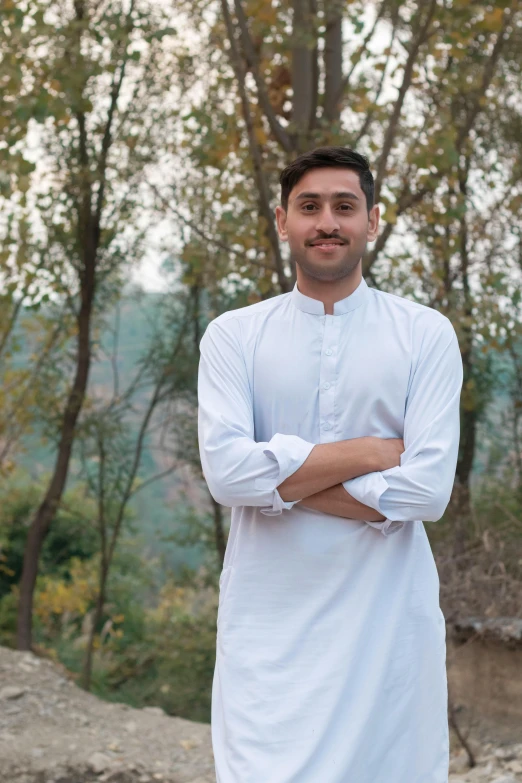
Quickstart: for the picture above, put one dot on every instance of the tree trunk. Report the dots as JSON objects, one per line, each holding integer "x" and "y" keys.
{"x": 460, "y": 509}
{"x": 333, "y": 60}
{"x": 45, "y": 513}
{"x": 303, "y": 70}
{"x": 469, "y": 412}
{"x": 221, "y": 543}
{"x": 265, "y": 208}
{"x": 98, "y": 612}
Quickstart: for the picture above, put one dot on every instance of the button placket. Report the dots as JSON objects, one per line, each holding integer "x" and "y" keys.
{"x": 327, "y": 378}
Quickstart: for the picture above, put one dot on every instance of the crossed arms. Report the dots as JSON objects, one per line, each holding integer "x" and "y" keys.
{"x": 383, "y": 482}
{"x": 318, "y": 483}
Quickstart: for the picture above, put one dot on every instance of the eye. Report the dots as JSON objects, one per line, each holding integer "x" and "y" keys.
{"x": 309, "y": 207}
{"x": 345, "y": 207}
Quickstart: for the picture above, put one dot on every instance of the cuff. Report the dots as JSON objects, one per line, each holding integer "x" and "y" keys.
{"x": 289, "y": 451}
{"x": 368, "y": 489}
{"x": 278, "y": 505}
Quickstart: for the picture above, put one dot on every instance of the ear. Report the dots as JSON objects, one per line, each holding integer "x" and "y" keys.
{"x": 373, "y": 223}
{"x": 280, "y": 214}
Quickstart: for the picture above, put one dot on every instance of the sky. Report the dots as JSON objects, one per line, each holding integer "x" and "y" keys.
{"x": 148, "y": 275}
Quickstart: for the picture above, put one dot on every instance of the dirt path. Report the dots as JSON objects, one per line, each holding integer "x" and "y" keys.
{"x": 53, "y": 732}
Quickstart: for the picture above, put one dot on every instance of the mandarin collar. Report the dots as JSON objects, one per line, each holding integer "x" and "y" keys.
{"x": 316, "y": 307}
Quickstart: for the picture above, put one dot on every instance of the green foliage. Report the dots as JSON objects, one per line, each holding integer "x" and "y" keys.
{"x": 172, "y": 663}
{"x": 157, "y": 645}
{"x": 72, "y": 534}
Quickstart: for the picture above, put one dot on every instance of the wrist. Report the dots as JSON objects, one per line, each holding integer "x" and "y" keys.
{"x": 373, "y": 457}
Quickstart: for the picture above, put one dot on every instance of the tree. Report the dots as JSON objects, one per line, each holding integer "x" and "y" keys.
{"x": 117, "y": 431}
{"x": 97, "y": 88}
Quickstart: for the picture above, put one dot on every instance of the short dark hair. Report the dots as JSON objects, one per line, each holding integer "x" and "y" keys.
{"x": 323, "y": 157}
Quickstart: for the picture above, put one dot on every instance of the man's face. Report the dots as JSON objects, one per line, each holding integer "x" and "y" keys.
{"x": 327, "y": 224}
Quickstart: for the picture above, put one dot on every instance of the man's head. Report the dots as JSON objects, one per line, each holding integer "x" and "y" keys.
{"x": 327, "y": 213}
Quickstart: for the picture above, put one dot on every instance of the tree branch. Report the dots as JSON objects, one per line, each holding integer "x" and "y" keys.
{"x": 371, "y": 111}
{"x": 487, "y": 77}
{"x": 405, "y": 201}
{"x": 107, "y": 134}
{"x": 360, "y": 51}
{"x": 152, "y": 479}
{"x": 10, "y": 326}
{"x": 302, "y": 73}
{"x": 393, "y": 125}
{"x": 280, "y": 134}
{"x": 212, "y": 241}
{"x": 333, "y": 60}
{"x": 255, "y": 152}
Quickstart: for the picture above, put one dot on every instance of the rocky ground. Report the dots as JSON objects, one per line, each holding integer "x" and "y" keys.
{"x": 494, "y": 765}
{"x": 53, "y": 732}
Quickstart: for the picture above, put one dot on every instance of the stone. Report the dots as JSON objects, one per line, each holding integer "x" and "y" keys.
{"x": 154, "y": 710}
{"x": 459, "y": 763}
{"x": 131, "y": 726}
{"x": 504, "y": 779}
{"x": 188, "y": 744}
{"x": 506, "y": 754}
{"x": 478, "y": 774}
{"x": 99, "y": 763}
{"x": 11, "y": 692}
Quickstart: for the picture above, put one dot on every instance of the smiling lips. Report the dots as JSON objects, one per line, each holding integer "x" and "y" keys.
{"x": 327, "y": 244}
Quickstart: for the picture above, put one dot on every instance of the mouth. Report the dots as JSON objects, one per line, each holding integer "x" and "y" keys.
{"x": 327, "y": 244}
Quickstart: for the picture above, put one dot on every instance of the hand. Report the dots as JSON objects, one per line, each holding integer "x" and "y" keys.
{"x": 388, "y": 452}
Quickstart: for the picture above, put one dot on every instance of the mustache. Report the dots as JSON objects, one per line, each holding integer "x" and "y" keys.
{"x": 323, "y": 237}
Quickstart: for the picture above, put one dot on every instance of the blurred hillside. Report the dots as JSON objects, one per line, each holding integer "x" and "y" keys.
{"x": 162, "y": 508}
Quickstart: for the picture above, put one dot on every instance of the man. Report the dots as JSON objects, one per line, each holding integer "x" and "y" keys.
{"x": 329, "y": 422}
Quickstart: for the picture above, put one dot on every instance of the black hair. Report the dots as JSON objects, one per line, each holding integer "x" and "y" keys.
{"x": 332, "y": 157}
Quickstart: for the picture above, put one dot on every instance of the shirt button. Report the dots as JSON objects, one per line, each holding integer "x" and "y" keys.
{"x": 328, "y": 352}
{"x": 326, "y": 386}
{"x": 327, "y": 426}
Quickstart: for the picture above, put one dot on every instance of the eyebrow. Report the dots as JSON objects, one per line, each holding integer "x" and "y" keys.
{"x": 341, "y": 194}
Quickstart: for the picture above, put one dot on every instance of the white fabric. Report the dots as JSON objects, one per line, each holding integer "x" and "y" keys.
{"x": 330, "y": 663}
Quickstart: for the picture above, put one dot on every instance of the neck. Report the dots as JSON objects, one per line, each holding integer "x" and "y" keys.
{"x": 328, "y": 291}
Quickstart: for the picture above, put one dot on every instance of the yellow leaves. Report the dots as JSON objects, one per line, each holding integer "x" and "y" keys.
{"x": 3, "y": 568}
{"x": 263, "y": 11}
{"x": 55, "y": 85}
{"x": 493, "y": 20}
{"x": 176, "y": 602}
{"x": 57, "y": 597}
{"x": 360, "y": 104}
{"x": 261, "y": 135}
{"x": 390, "y": 214}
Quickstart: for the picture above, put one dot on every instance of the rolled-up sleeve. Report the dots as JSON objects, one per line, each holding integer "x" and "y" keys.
{"x": 420, "y": 488}
{"x": 238, "y": 470}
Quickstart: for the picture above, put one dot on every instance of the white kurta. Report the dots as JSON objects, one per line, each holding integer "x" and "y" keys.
{"x": 330, "y": 664}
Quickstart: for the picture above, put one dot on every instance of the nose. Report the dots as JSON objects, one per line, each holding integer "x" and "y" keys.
{"x": 327, "y": 220}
